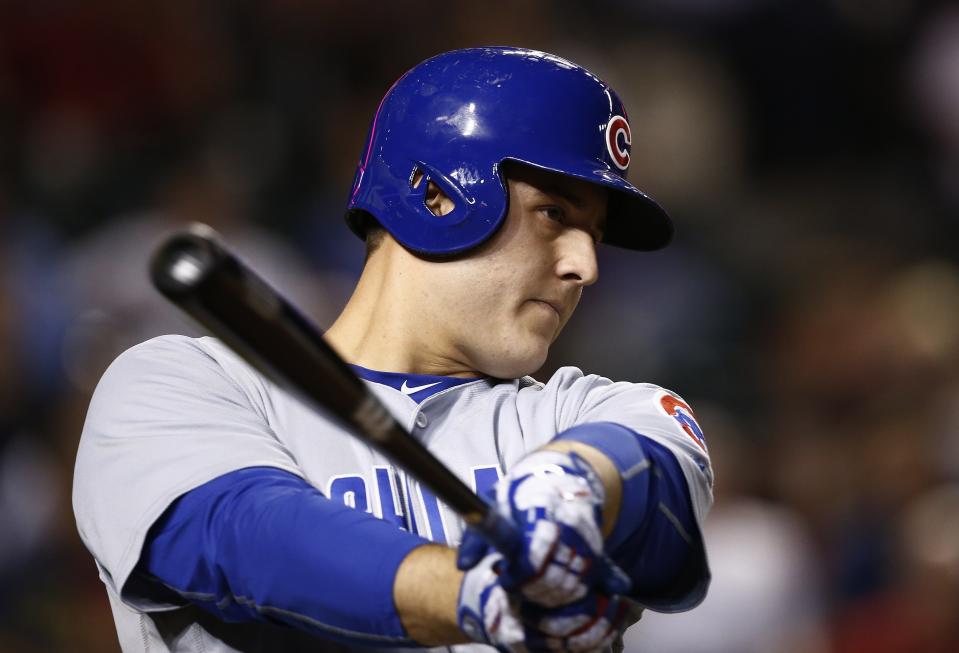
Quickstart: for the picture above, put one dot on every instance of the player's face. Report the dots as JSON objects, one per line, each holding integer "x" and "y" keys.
{"x": 503, "y": 305}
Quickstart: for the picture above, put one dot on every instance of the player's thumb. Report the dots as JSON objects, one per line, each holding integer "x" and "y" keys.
{"x": 472, "y": 549}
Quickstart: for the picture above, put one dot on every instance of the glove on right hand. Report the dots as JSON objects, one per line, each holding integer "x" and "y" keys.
{"x": 487, "y": 613}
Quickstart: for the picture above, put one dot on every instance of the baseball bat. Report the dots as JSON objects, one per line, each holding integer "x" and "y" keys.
{"x": 197, "y": 273}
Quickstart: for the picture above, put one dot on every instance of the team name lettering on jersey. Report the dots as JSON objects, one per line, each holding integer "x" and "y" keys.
{"x": 387, "y": 504}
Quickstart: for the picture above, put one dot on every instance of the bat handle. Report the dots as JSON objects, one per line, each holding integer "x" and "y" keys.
{"x": 501, "y": 532}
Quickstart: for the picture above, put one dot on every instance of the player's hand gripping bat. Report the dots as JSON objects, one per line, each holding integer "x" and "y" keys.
{"x": 194, "y": 271}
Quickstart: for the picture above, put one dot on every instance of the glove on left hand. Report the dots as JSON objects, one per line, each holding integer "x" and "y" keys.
{"x": 556, "y": 499}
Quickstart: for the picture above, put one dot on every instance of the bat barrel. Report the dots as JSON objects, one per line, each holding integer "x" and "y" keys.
{"x": 210, "y": 284}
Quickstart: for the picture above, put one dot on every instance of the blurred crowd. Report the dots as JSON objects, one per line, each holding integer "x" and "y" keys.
{"x": 808, "y": 151}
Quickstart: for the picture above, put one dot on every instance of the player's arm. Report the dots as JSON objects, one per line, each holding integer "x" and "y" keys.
{"x": 601, "y": 488}
{"x": 648, "y": 521}
{"x": 261, "y": 544}
{"x": 426, "y": 591}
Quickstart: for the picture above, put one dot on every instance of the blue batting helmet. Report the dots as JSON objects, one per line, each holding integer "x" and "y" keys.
{"x": 457, "y": 117}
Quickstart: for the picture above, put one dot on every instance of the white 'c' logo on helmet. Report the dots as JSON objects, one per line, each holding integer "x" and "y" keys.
{"x": 618, "y": 153}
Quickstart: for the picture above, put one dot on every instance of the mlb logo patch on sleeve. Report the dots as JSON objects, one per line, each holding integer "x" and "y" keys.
{"x": 682, "y": 413}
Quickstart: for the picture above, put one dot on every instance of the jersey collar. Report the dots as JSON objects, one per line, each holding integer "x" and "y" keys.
{"x": 415, "y": 386}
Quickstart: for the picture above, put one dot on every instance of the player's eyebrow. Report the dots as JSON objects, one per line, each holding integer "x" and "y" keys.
{"x": 565, "y": 193}
{"x": 578, "y": 202}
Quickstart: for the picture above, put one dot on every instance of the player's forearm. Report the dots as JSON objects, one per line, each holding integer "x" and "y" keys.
{"x": 261, "y": 544}
{"x": 648, "y": 520}
{"x": 425, "y": 592}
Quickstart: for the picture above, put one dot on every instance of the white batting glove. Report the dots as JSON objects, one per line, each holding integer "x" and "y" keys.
{"x": 590, "y": 624}
{"x": 556, "y": 500}
{"x": 487, "y": 613}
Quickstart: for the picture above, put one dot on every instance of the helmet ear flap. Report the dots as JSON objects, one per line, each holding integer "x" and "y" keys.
{"x": 462, "y": 201}
{"x": 419, "y": 194}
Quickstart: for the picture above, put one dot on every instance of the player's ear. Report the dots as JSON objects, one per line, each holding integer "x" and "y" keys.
{"x": 436, "y": 200}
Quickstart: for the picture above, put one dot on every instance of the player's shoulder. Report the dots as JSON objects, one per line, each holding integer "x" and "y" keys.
{"x": 572, "y": 380}
{"x": 170, "y": 344}
{"x": 174, "y": 368}
{"x": 178, "y": 345}
{"x": 570, "y": 392}
{"x": 182, "y": 356}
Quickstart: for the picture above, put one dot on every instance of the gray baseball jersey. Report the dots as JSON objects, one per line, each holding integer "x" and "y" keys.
{"x": 173, "y": 413}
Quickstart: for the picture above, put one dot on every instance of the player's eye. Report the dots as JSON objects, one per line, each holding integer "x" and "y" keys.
{"x": 553, "y": 213}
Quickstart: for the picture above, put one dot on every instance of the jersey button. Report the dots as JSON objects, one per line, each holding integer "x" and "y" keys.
{"x": 421, "y": 420}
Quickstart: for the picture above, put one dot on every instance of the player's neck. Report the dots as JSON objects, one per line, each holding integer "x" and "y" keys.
{"x": 382, "y": 327}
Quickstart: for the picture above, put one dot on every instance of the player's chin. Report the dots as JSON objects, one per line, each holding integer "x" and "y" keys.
{"x": 520, "y": 359}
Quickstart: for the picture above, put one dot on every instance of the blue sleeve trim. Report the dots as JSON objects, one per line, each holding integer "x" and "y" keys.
{"x": 261, "y": 544}
{"x": 655, "y": 539}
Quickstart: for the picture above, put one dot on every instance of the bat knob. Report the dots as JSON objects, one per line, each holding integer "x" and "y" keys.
{"x": 184, "y": 260}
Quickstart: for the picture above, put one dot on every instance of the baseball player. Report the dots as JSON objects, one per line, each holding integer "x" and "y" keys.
{"x": 224, "y": 515}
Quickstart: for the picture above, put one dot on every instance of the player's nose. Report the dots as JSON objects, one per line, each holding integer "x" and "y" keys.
{"x": 577, "y": 258}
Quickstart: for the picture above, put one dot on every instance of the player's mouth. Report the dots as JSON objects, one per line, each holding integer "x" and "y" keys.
{"x": 555, "y": 306}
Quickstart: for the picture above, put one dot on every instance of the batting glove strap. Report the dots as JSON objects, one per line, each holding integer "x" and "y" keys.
{"x": 572, "y": 481}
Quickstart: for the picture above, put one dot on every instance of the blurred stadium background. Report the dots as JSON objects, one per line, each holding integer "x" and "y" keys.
{"x": 809, "y": 307}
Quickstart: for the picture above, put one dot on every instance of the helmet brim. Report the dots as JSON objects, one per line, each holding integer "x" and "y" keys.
{"x": 634, "y": 220}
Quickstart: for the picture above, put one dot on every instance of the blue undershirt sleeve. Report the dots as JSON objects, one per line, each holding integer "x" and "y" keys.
{"x": 655, "y": 539}
{"x": 261, "y": 544}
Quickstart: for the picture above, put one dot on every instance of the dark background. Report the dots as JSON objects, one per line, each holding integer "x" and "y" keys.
{"x": 808, "y": 151}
